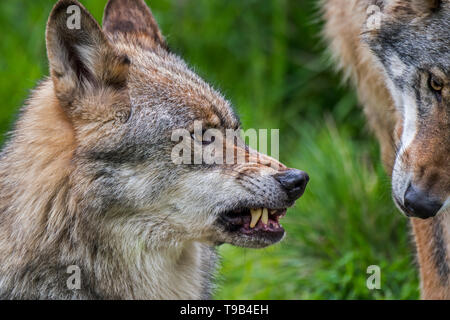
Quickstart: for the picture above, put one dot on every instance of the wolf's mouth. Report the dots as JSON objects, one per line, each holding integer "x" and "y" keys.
{"x": 258, "y": 222}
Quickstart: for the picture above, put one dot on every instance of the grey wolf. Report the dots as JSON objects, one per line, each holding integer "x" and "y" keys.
{"x": 401, "y": 69}
{"x": 87, "y": 180}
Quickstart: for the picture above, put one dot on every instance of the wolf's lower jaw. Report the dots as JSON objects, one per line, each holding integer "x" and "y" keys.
{"x": 256, "y": 227}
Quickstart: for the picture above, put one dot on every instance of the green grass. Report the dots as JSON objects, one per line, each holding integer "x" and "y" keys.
{"x": 268, "y": 59}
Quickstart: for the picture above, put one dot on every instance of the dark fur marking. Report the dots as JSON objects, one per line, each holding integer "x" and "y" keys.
{"x": 440, "y": 253}
{"x": 122, "y": 26}
{"x": 132, "y": 17}
{"x": 116, "y": 83}
{"x": 78, "y": 66}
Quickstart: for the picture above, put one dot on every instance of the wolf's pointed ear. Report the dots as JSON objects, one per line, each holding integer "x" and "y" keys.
{"x": 134, "y": 20}
{"x": 79, "y": 53}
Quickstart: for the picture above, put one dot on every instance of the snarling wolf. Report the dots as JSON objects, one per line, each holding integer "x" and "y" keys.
{"x": 397, "y": 54}
{"x": 87, "y": 181}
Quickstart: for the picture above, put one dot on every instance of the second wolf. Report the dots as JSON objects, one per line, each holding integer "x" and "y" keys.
{"x": 397, "y": 54}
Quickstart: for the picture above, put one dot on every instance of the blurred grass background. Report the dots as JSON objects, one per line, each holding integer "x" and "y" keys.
{"x": 268, "y": 59}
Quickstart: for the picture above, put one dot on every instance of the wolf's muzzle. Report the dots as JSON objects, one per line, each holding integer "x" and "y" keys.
{"x": 294, "y": 182}
{"x": 419, "y": 204}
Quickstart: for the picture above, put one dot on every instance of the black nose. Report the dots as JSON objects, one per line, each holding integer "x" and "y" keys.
{"x": 419, "y": 204}
{"x": 294, "y": 181}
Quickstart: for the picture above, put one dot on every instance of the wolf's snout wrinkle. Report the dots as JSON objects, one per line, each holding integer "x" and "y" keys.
{"x": 294, "y": 181}
{"x": 419, "y": 204}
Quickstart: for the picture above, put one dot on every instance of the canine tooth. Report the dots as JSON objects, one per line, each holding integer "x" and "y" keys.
{"x": 256, "y": 214}
{"x": 265, "y": 216}
{"x": 272, "y": 211}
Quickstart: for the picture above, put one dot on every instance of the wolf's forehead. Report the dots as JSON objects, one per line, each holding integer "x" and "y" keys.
{"x": 416, "y": 43}
{"x": 163, "y": 79}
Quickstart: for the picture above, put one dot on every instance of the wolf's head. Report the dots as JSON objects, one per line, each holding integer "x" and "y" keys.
{"x": 125, "y": 94}
{"x": 412, "y": 43}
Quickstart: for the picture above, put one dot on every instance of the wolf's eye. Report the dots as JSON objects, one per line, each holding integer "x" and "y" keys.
{"x": 435, "y": 84}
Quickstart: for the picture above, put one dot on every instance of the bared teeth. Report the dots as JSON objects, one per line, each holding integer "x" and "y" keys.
{"x": 261, "y": 213}
{"x": 256, "y": 214}
{"x": 265, "y": 216}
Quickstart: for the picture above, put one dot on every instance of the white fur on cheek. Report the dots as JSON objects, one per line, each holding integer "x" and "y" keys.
{"x": 197, "y": 195}
{"x": 409, "y": 121}
{"x": 400, "y": 176}
{"x": 398, "y": 68}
